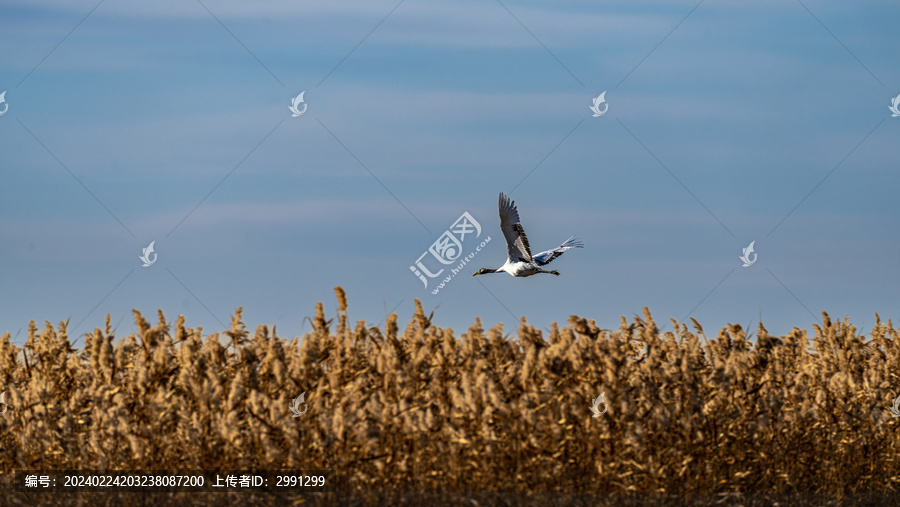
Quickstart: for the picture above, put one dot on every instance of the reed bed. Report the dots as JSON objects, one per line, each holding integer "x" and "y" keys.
{"x": 479, "y": 418}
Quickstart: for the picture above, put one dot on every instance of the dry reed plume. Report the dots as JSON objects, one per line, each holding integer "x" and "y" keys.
{"x": 423, "y": 410}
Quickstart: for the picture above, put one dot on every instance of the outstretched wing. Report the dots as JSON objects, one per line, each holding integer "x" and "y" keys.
{"x": 516, "y": 242}
{"x": 544, "y": 258}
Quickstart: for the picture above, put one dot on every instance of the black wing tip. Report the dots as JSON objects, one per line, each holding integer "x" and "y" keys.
{"x": 509, "y": 206}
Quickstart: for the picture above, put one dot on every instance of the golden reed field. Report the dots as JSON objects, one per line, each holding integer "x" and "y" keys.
{"x": 421, "y": 416}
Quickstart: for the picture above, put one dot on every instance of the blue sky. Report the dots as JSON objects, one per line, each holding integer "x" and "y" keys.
{"x": 728, "y": 122}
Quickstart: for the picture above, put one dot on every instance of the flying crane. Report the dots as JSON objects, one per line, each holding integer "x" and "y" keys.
{"x": 520, "y": 261}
